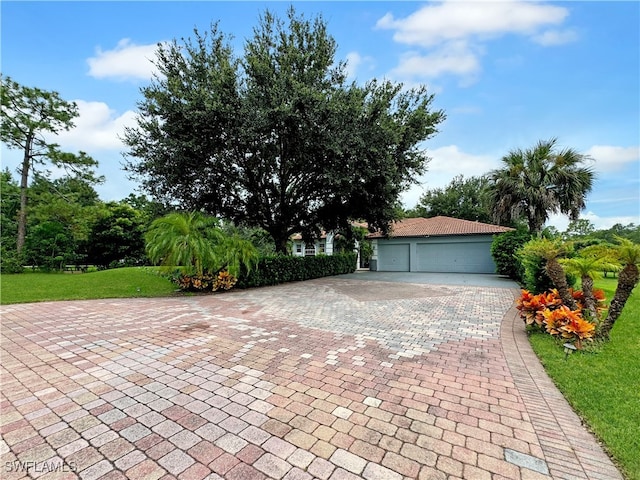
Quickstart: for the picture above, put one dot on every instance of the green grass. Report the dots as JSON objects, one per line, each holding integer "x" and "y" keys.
{"x": 603, "y": 382}
{"x": 116, "y": 283}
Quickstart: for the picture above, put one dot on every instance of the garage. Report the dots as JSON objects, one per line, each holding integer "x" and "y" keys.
{"x": 473, "y": 256}
{"x": 395, "y": 257}
{"x": 438, "y": 244}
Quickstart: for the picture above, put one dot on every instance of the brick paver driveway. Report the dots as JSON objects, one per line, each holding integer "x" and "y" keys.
{"x": 335, "y": 378}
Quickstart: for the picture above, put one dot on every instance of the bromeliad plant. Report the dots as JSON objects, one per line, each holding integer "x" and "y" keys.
{"x": 547, "y": 312}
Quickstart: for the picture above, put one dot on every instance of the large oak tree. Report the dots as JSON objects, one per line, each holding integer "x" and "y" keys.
{"x": 277, "y": 138}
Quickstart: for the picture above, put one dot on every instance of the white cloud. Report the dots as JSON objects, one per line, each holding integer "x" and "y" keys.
{"x": 97, "y": 128}
{"x": 454, "y": 58}
{"x": 451, "y": 161}
{"x": 467, "y": 110}
{"x": 561, "y": 222}
{"x": 608, "y": 158}
{"x": 453, "y": 20}
{"x": 452, "y": 33}
{"x": 127, "y": 61}
{"x": 555, "y": 37}
{"x": 356, "y": 62}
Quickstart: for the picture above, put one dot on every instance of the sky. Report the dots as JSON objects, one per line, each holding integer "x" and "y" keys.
{"x": 507, "y": 74}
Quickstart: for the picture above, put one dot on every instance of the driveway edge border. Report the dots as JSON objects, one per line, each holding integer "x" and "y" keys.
{"x": 555, "y": 422}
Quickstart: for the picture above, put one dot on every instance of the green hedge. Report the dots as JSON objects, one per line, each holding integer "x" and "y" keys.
{"x": 275, "y": 269}
{"x": 504, "y": 249}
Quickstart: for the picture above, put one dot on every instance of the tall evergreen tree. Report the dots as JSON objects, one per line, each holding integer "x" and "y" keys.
{"x": 26, "y": 114}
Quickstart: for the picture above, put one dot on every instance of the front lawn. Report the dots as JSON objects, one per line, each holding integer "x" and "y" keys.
{"x": 116, "y": 283}
{"x": 603, "y": 382}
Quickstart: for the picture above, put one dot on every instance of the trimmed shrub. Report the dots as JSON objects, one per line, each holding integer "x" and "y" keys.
{"x": 503, "y": 250}
{"x": 275, "y": 269}
{"x": 534, "y": 277}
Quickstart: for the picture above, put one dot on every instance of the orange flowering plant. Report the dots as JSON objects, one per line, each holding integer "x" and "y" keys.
{"x": 224, "y": 281}
{"x": 532, "y": 307}
{"x": 568, "y": 324}
{"x": 599, "y": 297}
{"x": 547, "y": 312}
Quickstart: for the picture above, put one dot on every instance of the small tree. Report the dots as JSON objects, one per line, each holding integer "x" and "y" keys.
{"x": 195, "y": 243}
{"x": 551, "y": 251}
{"x": 50, "y": 246}
{"x": 589, "y": 262}
{"x": 628, "y": 254}
{"x": 116, "y": 235}
{"x": 503, "y": 250}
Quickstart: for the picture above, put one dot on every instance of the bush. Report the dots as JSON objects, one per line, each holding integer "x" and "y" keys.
{"x": 10, "y": 262}
{"x": 534, "y": 277}
{"x": 222, "y": 280}
{"x": 503, "y": 250}
{"x": 275, "y": 269}
{"x": 546, "y": 312}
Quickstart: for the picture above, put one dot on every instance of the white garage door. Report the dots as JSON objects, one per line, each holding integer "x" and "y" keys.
{"x": 393, "y": 258}
{"x": 463, "y": 257}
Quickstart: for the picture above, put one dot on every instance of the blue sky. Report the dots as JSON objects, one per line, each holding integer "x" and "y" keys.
{"x": 507, "y": 74}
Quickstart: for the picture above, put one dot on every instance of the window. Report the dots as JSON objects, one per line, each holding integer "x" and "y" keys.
{"x": 298, "y": 248}
{"x": 322, "y": 248}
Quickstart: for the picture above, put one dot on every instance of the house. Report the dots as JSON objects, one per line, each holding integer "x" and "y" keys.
{"x": 321, "y": 246}
{"x": 325, "y": 245}
{"x": 438, "y": 244}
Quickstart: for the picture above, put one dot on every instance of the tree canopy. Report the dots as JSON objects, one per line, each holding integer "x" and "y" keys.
{"x": 26, "y": 115}
{"x": 466, "y": 199}
{"x": 277, "y": 138}
{"x": 539, "y": 181}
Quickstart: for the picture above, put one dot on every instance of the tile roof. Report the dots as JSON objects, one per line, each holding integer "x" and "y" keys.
{"x": 323, "y": 234}
{"x": 439, "y": 226}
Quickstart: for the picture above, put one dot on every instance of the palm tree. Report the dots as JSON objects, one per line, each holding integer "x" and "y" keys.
{"x": 195, "y": 242}
{"x": 586, "y": 265}
{"x": 551, "y": 251}
{"x": 537, "y": 182}
{"x": 234, "y": 252}
{"x": 628, "y": 254}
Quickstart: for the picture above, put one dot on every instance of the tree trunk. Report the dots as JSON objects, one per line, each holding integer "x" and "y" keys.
{"x": 281, "y": 240}
{"x": 627, "y": 280}
{"x": 589, "y": 299}
{"x": 24, "y": 183}
{"x": 281, "y": 246}
{"x": 559, "y": 279}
